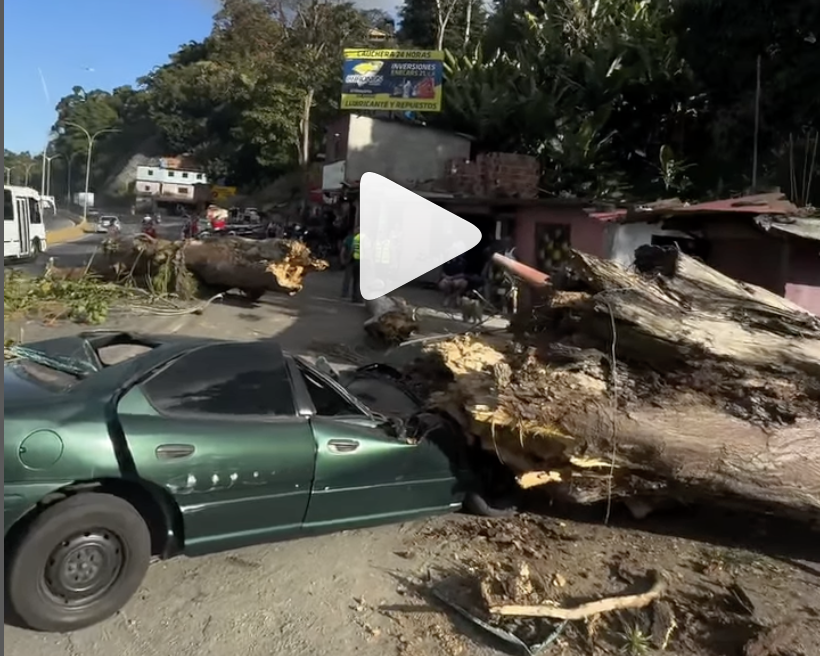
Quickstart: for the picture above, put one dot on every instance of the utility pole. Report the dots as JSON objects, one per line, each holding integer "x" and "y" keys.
{"x": 28, "y": 172}
{"x": 92, "y": 137}
{"x": 48, "y": 172}
{"x": 756, "y": 152}
{"x": 69, "y": 162}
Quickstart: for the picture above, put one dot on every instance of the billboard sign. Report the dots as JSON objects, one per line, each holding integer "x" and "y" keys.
{"x": 392, "y": 80}
{"x": 222, "y": 193}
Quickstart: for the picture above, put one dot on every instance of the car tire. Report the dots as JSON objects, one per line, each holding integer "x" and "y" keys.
{"x": 475, "y": 504}
{"x": 78, "y": 563}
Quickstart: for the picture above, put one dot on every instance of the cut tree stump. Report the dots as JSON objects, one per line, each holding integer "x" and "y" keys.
{"x": 672, "y": 381}
{"x": 391, "y": 320}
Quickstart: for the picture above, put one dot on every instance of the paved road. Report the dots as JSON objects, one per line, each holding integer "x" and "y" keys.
{"x": 77, "y": 253}
{"x": 58, "y": 222}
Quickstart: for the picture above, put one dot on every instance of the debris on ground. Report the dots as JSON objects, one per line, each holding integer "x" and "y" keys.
{"x": 196, "y": 268}
{"x": 516, "y": 597}
{"x": 671, "y": 382}
{"x": 391, "y": 320}
{"x": 751, "y": 605}
{"x": 82, "y": 297}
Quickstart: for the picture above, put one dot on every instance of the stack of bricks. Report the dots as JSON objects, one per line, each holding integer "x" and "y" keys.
{"x": 464, "y": 178}
{"x": 508, "y": 175}
{"x": 495, "y": 175}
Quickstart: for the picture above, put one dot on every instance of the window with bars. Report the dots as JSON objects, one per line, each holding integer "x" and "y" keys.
{"x": 553, "y": 242}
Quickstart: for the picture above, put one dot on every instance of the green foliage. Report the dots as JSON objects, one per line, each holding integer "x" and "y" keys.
{"x": 643, "y": 98}
{"x": 248, "y": 102}
{"x": 23, "y": 167}
{"x": 459, "y": 23}
{"x": 637, "y": 96}
{"x": 86, "y": 300}
{"x": 590, "y": 88}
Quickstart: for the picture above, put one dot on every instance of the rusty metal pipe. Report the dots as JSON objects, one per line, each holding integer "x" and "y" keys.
{"x": 530, "y": 276}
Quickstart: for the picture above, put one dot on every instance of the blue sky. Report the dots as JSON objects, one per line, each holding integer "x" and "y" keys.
{"x": 120, "y": 40}
{"x": 95, "y": 44}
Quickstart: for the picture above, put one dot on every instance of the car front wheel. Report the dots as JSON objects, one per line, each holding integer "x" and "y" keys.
{"x": 78, "y": 563}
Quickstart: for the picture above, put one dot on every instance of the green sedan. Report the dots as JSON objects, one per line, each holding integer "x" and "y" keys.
{"x": 120, "y": 448}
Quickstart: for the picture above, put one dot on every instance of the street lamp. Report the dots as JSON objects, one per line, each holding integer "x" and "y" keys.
{"x": 91, "y": 138}
{"x": 51, "y": 137}
{"x": 69, "y": 161}
{"x": 28, "y": 172}
{"x": 8, "y": 174}
{"x": 50, "y": 159}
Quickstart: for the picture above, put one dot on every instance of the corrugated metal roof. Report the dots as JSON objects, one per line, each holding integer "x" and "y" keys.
{"x": 774, "y": 204}
{"x": 607, "y": 217}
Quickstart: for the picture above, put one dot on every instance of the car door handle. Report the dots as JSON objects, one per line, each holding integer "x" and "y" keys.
{"x": 342, "y": 446}
{"x": 175, "y": 451}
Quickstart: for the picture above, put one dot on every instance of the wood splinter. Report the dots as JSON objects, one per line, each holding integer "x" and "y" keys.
{"x": 591, "y": 609}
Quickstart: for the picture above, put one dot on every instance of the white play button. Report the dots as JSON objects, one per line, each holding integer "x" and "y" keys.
{"x": 403, "y": 236}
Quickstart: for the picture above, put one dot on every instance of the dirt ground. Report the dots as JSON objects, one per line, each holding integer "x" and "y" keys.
{"x": 734, "y": 585}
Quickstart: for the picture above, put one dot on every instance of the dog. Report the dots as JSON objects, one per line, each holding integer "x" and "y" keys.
{"x": 452, "y": 288}
{"x": 472, "y": 310}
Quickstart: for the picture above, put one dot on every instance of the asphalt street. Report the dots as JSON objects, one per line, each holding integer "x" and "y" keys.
{"x": 77, "y": 253}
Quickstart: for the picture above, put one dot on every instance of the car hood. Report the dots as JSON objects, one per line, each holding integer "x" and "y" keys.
{"x": 80, "y": 353}
{"x": 74, "y": 349}
{"x": 18, "y": 387}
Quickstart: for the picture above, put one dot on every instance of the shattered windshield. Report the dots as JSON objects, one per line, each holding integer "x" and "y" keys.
{"x": 76, "y": 368}
{"x": 43, "y": 376}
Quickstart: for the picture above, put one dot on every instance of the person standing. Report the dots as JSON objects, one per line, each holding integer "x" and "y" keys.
{"x": 356, "y": 269}
{"x": 346, "y": 258}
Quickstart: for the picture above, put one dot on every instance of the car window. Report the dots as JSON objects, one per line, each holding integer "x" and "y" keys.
{"x": 8, "y": 206}
{"x": 230, "y": 380}
{"x": 327, "y": 401}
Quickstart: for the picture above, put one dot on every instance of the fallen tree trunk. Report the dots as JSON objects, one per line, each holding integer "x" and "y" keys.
{"x": 217, "y": 264}
{"x": 392, "y": 321}
{"x": 673, "y": 381}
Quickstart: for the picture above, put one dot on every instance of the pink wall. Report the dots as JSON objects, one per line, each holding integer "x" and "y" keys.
{"x": 803, "y": 283}
{"x": 587, "y": 234}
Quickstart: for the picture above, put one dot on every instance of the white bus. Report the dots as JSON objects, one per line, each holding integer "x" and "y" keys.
{"x": 24, "y": 231}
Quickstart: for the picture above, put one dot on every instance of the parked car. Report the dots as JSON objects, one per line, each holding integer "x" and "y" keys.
{"x": 107, "y": 223}
{"x": 119, "y": 448}
{"x": 257, "y": 231}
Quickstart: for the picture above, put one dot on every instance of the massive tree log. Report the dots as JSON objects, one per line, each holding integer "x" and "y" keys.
{"x": 391, "y": 321}
{"x": 218, "y": 264}
{"x": 671, "y": 381}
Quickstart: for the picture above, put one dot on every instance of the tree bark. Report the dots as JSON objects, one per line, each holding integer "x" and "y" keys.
{"x": 672, "y": 381}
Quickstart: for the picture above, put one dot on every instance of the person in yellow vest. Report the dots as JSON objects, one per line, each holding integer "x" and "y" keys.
{"x": 356, "y": 267}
